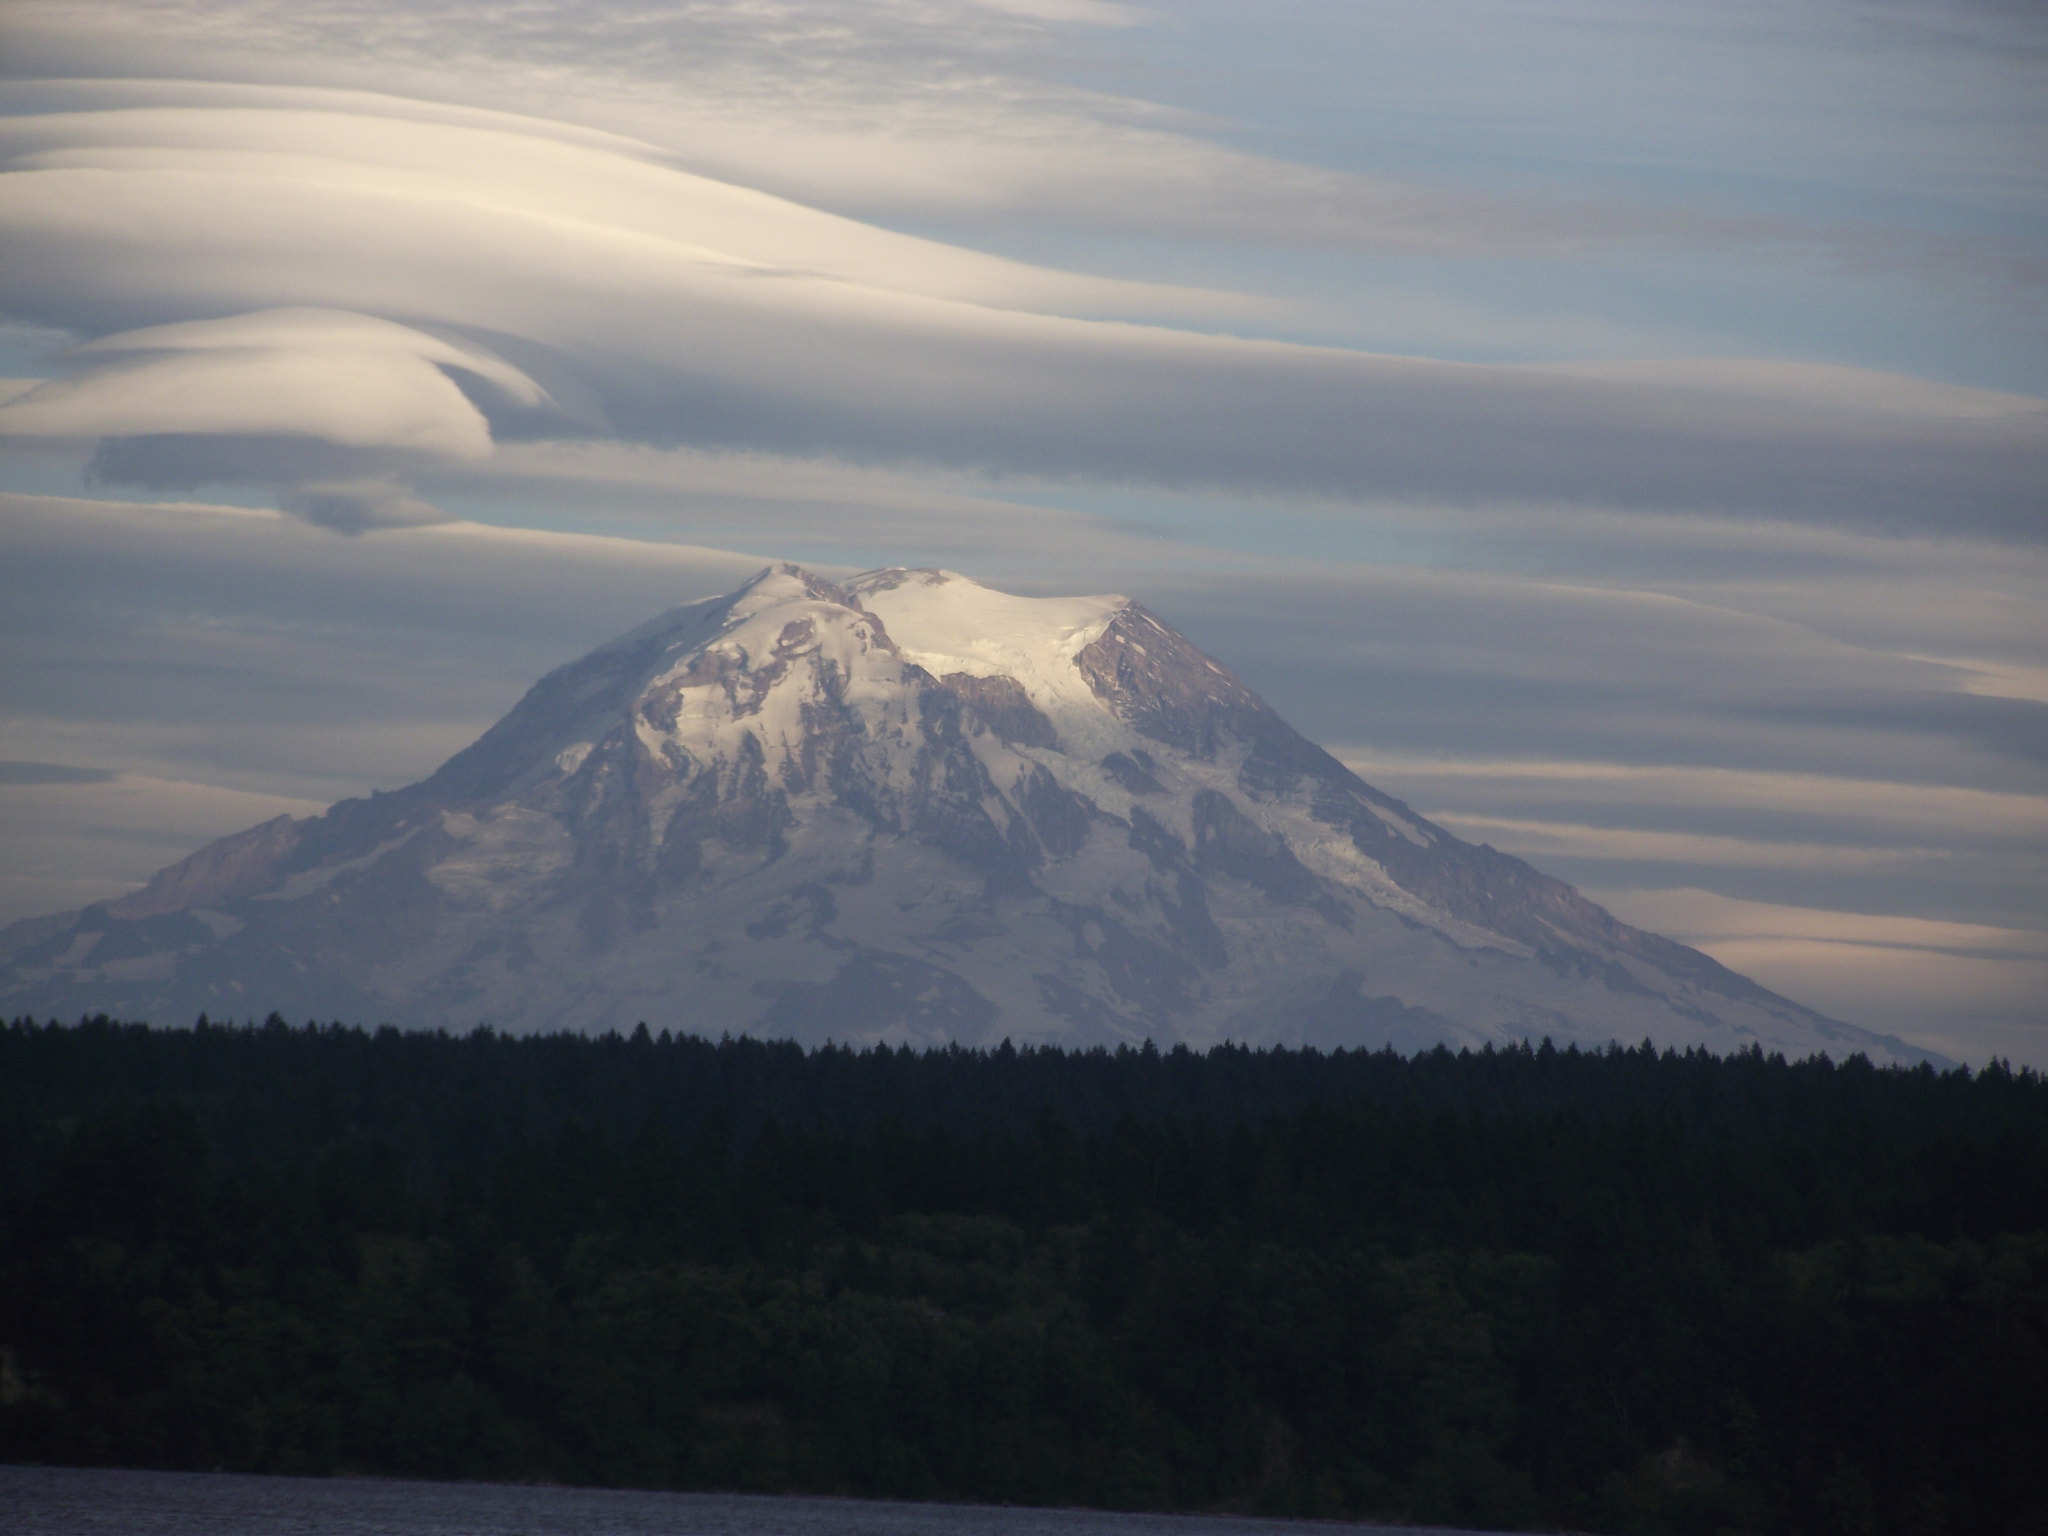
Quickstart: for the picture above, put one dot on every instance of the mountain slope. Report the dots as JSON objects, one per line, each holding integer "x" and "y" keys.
{"x": 906, "y": 808}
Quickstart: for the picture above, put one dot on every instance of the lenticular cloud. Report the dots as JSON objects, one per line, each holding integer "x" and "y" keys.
{"x": 293, "y": 287}
{"x": 342, "y": 378}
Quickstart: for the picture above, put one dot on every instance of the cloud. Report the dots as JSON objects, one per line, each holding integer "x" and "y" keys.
{"x": 969, "y": 112}
{"x": 1808, "y": 386}
{"x": 1996, "y": 679}
{"x": 369, "y": 151}
{"x": 357, "y": 506}
{"x": 53, "y": 773}
{"x": 348, "y": 379}
{"x": 279, "y": 398}
{"x": 575, "y": 283}
{"x": 1542, "y": 841}
{"x": 276, "y": 397}
{"x": 824, "y": 509}
{"x": 1879, "y": 812}
{"x": 1706, "y": 915}
{"x": 1968, "y": 989}
{"x": 1527, "y": 666}
{"x": 1097, "y": 13}
{"x": 949, "y": 109}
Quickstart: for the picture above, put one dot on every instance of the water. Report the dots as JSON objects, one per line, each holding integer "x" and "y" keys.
{"x": 65, "y": 1501}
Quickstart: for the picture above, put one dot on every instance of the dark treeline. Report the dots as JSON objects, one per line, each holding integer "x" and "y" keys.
{"x": 1617, "y": 1291}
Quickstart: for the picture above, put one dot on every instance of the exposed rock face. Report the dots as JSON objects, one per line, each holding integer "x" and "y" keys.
{"x": 906, "y": 808}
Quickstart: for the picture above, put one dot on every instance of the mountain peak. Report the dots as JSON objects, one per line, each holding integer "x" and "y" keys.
{"x": 909, "y": 807}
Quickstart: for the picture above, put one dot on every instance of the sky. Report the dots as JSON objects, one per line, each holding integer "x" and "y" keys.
{"x": 1619, "y": 429}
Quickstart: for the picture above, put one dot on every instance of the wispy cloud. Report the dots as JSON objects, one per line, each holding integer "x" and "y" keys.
{"x": 1543, "y": 841}
{"x": 1972, "y": 989}
{"x": 1892, "y": 808}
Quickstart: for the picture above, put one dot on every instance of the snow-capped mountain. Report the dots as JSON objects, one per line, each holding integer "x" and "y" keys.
{"x": 909, "y": 808}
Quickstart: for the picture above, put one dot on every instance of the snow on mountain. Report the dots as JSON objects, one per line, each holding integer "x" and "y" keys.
{"x": 905, "y": 808}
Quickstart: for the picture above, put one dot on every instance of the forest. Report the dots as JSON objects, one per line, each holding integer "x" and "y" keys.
{"x": 1526, "y": 1288}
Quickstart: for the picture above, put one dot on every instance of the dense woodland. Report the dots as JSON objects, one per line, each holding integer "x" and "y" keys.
{"x": 1621, "y": 1291}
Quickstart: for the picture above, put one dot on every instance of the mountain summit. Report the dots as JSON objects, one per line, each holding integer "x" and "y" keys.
{"x": 906, "y": 808}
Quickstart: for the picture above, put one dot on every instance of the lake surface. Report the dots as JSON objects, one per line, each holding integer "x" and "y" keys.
{"x": 65, "y": 1501}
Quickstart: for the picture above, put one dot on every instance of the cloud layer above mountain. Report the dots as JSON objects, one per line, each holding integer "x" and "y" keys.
{"x": 296, "y": 242}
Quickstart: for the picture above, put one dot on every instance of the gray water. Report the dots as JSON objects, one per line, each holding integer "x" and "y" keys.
{"x": 65, "y": 1501}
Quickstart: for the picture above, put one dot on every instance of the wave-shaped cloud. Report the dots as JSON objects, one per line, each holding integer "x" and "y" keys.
{"x": 629, "y": 299}
{"x": 344, "y": 378}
